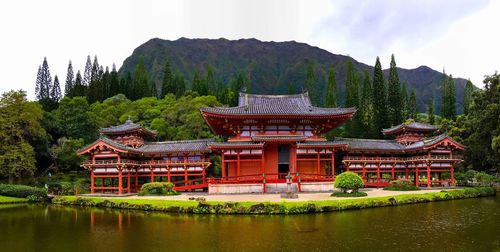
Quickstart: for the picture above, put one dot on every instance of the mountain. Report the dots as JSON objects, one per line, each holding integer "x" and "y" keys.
{"x": 271, "y": 66}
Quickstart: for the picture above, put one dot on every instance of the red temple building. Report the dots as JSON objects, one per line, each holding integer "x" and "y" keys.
{"x": 121, "y": 160}
{"x": 411, "y": 155}
{"x": 268, "y": 138}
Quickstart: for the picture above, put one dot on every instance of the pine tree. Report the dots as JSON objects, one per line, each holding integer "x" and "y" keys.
{"x": 79, "y": 89}
{"x": 452, "y": 92}
{"x": 404, "y": 100}
{"x": 70, "y": 80}
{"x": 167, "y": 86}
{"x": 366, "y": 108}
{"x": 87, "y": 73}
{"x": 430, "y": 111}
{"x": 196, "y": 85}
{"x": 379, "y": 99}
{"x": 114, "y": 82}
{"x": 55, "y": 91}
{"x": 141, "y": 84}
{"x": 311, "y": 82}
{"x": 413, "y": 105}
{"x": 210, "y": 81}
{"x": 45, "y": 81}
{"x": 352, "y": 100}
{"x": 394, "y": 95}
{"x": 180, "y": 85}
{"x": 468, "y": 96}
{"x": 448, "y": 103}
{"x": 38, "y": 84}
{"x": 331, "y": 90}
{"x": 291, "y": 89}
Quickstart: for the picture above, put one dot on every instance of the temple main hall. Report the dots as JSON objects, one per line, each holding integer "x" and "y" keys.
{"x": 265, "y": 139}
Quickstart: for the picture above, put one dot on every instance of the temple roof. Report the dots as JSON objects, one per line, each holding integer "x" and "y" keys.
{"x": 297, "y": 104}
{"x": 184, "y": 146}
{"x": 245, "y": 144}
{"x": 393, "y": 146}
{"x": 200, "y": 145}
{"x": 324, "y": 144}
{"x": 413, "y": 126}
{"x": 126, "y": 127}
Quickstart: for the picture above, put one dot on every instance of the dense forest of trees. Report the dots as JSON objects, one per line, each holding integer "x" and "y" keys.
{"x": 45, "y": 134}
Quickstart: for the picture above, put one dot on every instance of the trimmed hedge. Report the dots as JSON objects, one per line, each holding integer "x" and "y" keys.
{"x": 353, "y": 194}
{"x": 401, "y": 185}
{"x": 204, "y": 207}
{"x": 348, "y": 181}
{"x": 23, "y": 191}
{"x": 157, "y": 188}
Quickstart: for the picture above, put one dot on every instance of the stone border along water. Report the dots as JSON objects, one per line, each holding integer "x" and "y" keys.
{"x": 252, "y": 208}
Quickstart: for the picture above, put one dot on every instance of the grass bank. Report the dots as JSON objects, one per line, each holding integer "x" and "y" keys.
{"x": 214, "y": 207}
{"x": 9, "y": 200}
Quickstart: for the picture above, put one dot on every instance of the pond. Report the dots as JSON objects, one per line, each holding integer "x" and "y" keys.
{"x": 460, "y": 225}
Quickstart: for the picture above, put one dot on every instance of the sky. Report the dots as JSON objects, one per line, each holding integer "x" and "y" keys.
{"x": 461, "y": 37}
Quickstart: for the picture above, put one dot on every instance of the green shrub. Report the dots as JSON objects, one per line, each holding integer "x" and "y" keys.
{"x": 484, "y": 178}
{"x": 401, "y": 185}
{"x": 353, "y": 194}
{"x": 23, "y": 191}
{"x": 157, "y": 188}
{"x": 348, "y": 181}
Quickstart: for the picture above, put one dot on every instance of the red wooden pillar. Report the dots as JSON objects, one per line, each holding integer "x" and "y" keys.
{"x": 238, "y": 164}
{"x": 203, "y": 172}
{"x": 452, "y": 175}
{"x": 136, "y": 180}
{"x": 333, "y": 164}
{"x": 223, "y": 165}
{"x": 393, "y": 172}
{"x": 317, "y": 163}
{"x": 417, "y": 179}
{"x": 407, "y": 172}
{"x": 151, "y": 175}
{"x": 120, "y": 181}
{"x": 428, "y": 174}
{"x": 185, "y": 175}
{"x": 128, "y": 181}
{"x": 91, "y": 180}
{"x": 363, "y": 171}
{"x": 102, "y": 184}
{"x": 262, "y": 169}
{"x": 168, "y": 174}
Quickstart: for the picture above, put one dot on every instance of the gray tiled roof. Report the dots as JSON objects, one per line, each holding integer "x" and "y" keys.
{"x": 390, "y": 145}
{"x": 370, "y": 144}
{"x": 298, "y": 104}
{"x": 413, "y": 126}
{"x": 200, "y": 145}
{"x": 128, "y": 126}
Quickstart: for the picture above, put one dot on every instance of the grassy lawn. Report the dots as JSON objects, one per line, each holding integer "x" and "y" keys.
{"x": 152, "y": 202}
{"x": 5, "y": 200}
{"x": 281, "y": 207}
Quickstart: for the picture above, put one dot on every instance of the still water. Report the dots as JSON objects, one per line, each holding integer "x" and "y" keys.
{"x": 461, "y": 225}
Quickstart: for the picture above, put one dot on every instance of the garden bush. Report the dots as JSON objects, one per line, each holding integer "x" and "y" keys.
{"x": 23, "y": 191}
{"x": 157, "y": 188}
{"x": 348, "y": 181}
{"x": 401, "y": 185}
{"x": 353, "y": 194}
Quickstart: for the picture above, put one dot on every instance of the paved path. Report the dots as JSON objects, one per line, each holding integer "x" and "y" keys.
{"x": 276, "y": 197}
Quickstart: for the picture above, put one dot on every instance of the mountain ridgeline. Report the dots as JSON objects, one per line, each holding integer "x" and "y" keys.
{"x": 271, "y": 67}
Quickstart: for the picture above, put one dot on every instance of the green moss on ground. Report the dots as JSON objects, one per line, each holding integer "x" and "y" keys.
{"x": 214, "y": 207}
